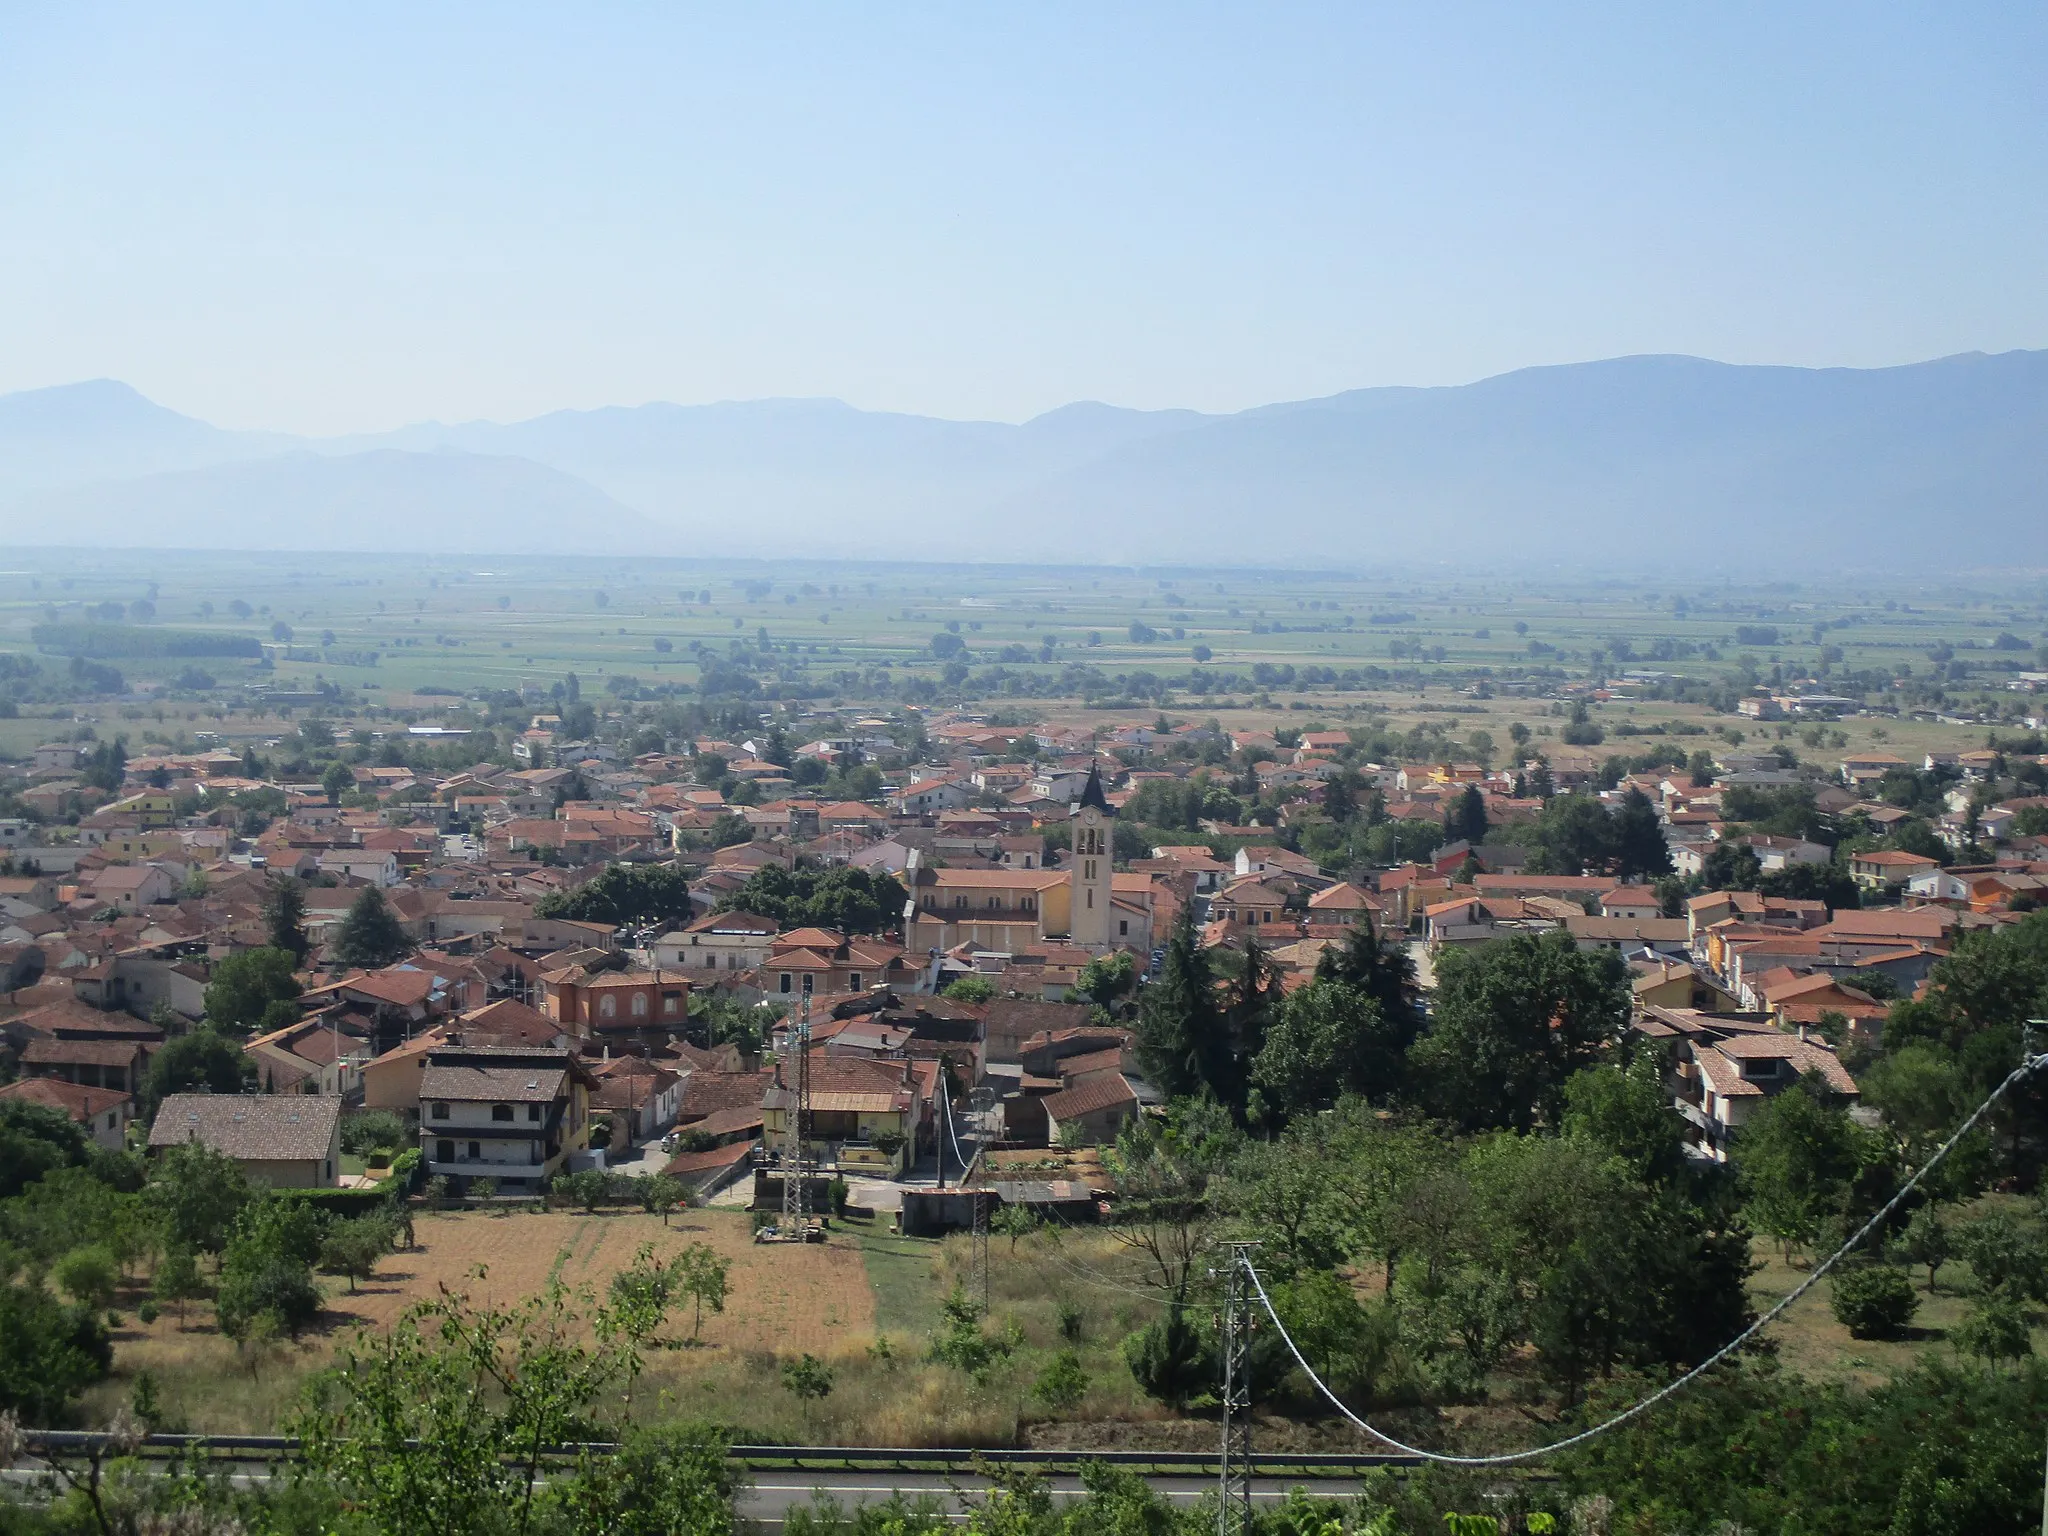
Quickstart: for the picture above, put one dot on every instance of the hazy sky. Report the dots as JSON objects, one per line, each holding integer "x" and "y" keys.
{"x": 344, "y": 217}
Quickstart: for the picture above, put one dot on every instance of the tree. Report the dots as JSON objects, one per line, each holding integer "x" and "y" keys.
{"x": 253, "y": 990}
{"x": 1328, "y": 1040}
{"x": 1383, "y": 969}
{"x": 205, "y": 1061}
{"x": 658, "y": 1195}
{"x": 970, "y": 989}
{"x": 1926, "y": 1241}
{"x": 1183, "y": 1041}
{"x": 200, "y": 1193}
{"x": 440, "y": 1427}
{"x": 843, "y": 898}
{"x": 1107, "y": 979}
{"x": 1874, "y": 1301}
{"x": 1798, "y": 1155}
{"x": 1467, "y": 818}
{"x": 49, "y": 1352}
{"x": 807, "y": 1378}
{"x": 1640, "y": 851}
{"x": 370, "y": 935}
{"x": 284, "y": 915}
{"x": 36, "y": 1139}
{"x": 624, "y": 896}
{"x": 2000, "y": 1329}
{"x": 1515, "y": 1018}
{"x": 177, "y": 1280}
{"x": 353, "y": 1247}
{"x": 1169, "y": 1359}
{"x": 701, "y": 1275}
{"x": 88, "y": 1277}
{"x": 337, "y": 780}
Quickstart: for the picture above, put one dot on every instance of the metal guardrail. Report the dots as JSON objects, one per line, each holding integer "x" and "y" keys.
{"x": 807, "y": 1457}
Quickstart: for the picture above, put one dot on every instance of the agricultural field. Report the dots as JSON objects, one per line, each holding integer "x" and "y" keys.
{"x": 417, "y": 639}
{"x": 864, "y": 1302}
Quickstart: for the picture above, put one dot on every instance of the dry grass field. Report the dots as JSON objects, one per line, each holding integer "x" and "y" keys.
{"x": 782, "y": 1300}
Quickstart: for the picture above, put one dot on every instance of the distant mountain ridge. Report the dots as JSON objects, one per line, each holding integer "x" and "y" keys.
{"x": 1625, "y": 461}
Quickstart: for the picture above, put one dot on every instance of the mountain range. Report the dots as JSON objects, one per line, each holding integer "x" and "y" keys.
{"x": 1628, "y": 462}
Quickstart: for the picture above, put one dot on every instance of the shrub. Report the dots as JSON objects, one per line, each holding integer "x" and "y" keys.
{"x": 1169, "y": 1360}
{"x": 87, "y": 1276}
{"x": 483, "y": 1189}
{"x": 371, "y": 1130}
{"x": 147, "y": 1313}
{"x": 587, "y": 1188}
{"x": 1071, "y": 1319}
{"x": 2000, "y": 1329}
{"x": 1875, "y": 1302}
{"x": 1062, "y": 1384}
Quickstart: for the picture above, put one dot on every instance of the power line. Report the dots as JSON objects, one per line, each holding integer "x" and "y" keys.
{"x": 1670, "y": 1388}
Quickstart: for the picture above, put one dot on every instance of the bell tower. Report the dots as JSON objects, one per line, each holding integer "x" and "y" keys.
{"x": 1094, "y": 838}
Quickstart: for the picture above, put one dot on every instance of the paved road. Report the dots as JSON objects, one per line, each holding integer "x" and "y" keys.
{"x": 770, "y": 1495}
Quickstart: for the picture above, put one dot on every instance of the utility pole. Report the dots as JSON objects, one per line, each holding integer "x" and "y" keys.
{"x": 796, "y": 1193}
{"x": 982, "y": 1199}
{"x": 1234, "y": 1488}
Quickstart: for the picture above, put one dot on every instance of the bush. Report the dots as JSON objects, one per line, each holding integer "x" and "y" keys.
{"x": 147, "y": 1313}
{"x": 371, "y": 1130}
{"x": 1169, "y": 1360}
{"x": 87, "y": 1276}
{"x": 1875, "y": 1302}
{"x": 1062, "y": 1384}
{"x": 587, "y": 1189}
{"x": 2000, "y": 1329}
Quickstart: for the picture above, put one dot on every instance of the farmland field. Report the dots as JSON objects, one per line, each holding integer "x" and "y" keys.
{"x": 421, "y": 639}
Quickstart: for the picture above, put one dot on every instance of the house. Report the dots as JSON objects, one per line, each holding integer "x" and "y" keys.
{"x": 1343, "y": 904}
{"x": 608, "y": 996}
{"x": 1630, "y": 901}
{"x": 502, "y": 1112}
{"x": 642, "y": 1097}
{"x": 286, "y": 1142}
{"x": 730, "y": 941}
{"x": 807, "y": 961}
{"x": 1884, "y": 869}
{"x": 131, "y": 887}
{"x": 1722, "y": 1080}
{"x": 1091, "y": 1108}
{"x": 866, "y": 1116}
{"x": 927, "y": 797}
{"x": 103, "y": 1113}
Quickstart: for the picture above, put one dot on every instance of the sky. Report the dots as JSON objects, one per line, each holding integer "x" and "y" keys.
{"x": 331, "y": 219}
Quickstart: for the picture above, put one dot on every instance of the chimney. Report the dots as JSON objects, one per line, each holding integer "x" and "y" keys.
{"x": 1802, "y": 1034}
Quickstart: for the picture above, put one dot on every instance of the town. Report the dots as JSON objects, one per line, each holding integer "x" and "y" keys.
{"x": 837, "y": 990}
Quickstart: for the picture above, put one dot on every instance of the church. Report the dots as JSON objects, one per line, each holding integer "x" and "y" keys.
{"x": 1086, "y": 905}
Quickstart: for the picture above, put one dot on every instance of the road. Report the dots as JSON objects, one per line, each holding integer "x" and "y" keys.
{"x": 768, "y": 1496}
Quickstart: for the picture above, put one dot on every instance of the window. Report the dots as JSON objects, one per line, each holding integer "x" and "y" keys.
{"x": 711, "y": 962}
{"x": 533, "y": 1111}
{"x": 809, "y": 980}
{"x": 994, "y": 903}
{"x": 853, "y": 981}
{"x": 1030, "y": 904}
{"x": 639, "y": 1005}
{"x": 1091, "y": 898}
{"x": 671, "y": 1001}
{"x": 476, "y": 1152}
{"x": 607, "y": 1006}
{"x": 440, "y": 1111}
{"x": 1123, "y": 927}
{"x": 501, "y": 1111}
{"x": 960, "y": 901}
{"x": 785, "y": 981}
{"x": 444, "y": 1151}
